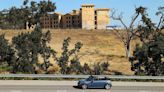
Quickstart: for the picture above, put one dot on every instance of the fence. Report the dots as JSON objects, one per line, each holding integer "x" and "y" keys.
{"x": 80, "y": 76}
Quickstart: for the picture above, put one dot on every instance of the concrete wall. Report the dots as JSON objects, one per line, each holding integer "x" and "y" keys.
{"x": 66, "y": 21}
{"x": 88, "y": 15}
{"x": 76, "y": 21}
{"x": 101, "y": 18}
{"x": 71, "y": 21}
{"x": 50, "y": 21}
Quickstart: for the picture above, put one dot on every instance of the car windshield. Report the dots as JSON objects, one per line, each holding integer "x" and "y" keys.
{"x": 90, "y": 78}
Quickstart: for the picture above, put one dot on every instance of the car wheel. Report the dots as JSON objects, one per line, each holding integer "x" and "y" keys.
{"x": 84, "y": 86}
{"x": 107, "y": 86}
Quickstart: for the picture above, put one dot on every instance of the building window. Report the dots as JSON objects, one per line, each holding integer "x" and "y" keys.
{"x": 95, "y": 12}
{"x": 95, "y": 17}
{"x": 95, "y": 22}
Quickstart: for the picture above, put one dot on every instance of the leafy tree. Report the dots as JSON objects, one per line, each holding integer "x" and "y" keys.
{"x": 6, "y": 51}
{"x": 28, "y": 46}
{"x": 16, "y": 17}
{"x": 105, "y": 66}
{"x": 97, "y": 69}
{"x": 29, "y": 12}
{"x": 38, "y": 9}
{"x": 100, "y": 68}
{"x": 7, "y": 55}
{"x": 75, "y": 66}
{"x": 148, "y": 31}
{"x": 2, "y": 20}
{"x": 86, "y": 69}
{"x": 64, "y": 59}
{"x": 148, "y": 58}
{"x": 25, "y": 2}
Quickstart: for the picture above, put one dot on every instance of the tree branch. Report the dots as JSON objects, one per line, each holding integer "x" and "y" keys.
{"x": 160, "y": 21}
{"x": 133, "y": 20}
{"x": 119, "y": 18}
{"x": 121, "y": 37}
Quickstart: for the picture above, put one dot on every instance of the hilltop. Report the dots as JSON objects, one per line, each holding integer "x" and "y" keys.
{"x": 98, "y": 46}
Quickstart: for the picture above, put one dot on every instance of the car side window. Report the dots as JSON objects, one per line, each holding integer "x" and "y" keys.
{"x": 91, "y": 78}
{"x": 88, "y": 79}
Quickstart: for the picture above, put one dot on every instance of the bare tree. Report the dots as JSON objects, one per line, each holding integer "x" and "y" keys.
{"x": 130, "y": 31}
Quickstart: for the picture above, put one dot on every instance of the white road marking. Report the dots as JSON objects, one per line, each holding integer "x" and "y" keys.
{"x": 61, "y": 90}
{"x": 144, "y": 91}
{"x": 15, "y": 91}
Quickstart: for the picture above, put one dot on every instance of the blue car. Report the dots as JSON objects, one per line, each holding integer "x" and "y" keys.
{"x": 94, "y": 82}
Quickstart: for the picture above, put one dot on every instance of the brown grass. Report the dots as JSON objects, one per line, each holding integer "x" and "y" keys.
{"x": 98, "y": 46}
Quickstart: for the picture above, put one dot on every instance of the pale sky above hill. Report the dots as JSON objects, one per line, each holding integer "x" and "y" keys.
{"x": 127, "y": 7}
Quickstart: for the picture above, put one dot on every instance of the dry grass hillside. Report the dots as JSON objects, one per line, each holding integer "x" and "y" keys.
{"x": 98, "y": 46}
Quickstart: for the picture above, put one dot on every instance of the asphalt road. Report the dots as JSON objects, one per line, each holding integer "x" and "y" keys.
{"x": 69, "y": 88}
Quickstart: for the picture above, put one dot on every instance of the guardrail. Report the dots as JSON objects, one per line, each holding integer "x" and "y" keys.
{"x": 79, "y": 76}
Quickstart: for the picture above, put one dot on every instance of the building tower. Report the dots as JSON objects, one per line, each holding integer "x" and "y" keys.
{"x": 88, "y": 16}
{"x": 101, "y": 18}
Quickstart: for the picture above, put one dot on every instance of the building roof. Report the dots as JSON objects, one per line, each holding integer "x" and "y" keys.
{"x": 102, "y": 9}
{"x": 58, "y": 13}
{"x": 84, "y": 5}
{"x": 74, "y": 12}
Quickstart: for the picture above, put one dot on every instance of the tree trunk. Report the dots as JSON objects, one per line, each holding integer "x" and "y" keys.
{"x": 128, "y": 50}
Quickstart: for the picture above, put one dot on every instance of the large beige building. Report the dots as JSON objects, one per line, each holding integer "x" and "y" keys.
{"x": 87, "y": 17}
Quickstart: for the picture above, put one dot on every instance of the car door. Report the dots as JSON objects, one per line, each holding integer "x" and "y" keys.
{"x": 96, "y": 84}
{"x": 99, "y": 84}
{"x": 91, "y": 83}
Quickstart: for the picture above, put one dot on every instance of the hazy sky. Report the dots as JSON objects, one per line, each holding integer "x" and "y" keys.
{"x": 127, "y": 7}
